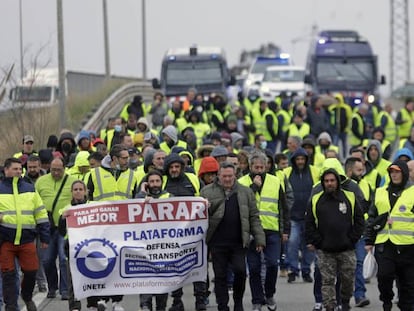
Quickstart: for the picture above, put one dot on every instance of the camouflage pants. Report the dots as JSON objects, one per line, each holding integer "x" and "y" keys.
{"x": 342, "y": 264}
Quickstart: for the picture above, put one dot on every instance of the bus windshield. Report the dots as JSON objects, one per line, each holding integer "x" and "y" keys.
{"x": 34, "y": 93}
{"x": 189, "y": 73}
{"x": 352, "y": 71}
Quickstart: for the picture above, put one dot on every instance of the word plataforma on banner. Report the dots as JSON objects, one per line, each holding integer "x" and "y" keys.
{"x": 133, "y": 246}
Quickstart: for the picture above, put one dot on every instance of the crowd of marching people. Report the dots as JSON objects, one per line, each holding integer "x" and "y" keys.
{"x": 293, "y": 185}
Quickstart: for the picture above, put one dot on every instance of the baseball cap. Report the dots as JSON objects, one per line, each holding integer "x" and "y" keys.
{"x": 394, "y": 167}
{"x": 28, "y": 138}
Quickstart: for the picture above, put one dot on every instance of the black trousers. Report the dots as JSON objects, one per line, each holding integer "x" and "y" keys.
{"x": 224, "y": 257}
{"x": 396, "y": 262}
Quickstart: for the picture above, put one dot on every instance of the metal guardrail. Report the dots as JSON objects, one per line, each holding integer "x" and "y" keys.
{"x": 113, "y": 104}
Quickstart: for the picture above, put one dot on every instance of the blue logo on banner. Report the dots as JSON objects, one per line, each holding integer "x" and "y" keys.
{"x": 95, "y": 258}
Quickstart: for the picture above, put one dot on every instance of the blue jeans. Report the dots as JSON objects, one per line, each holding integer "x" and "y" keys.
{"x": 254, "y": 262}
{"x": 359, "y": 278}
{"x": 49, "y": 255}
{"x": 297, "y": 242}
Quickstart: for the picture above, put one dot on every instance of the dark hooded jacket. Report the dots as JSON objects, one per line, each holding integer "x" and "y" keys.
{"x": 66, "y": 153}
{"x": 334, "y": 226}
{"x": 181, "y": 185}
{"x": 302, "y": 183}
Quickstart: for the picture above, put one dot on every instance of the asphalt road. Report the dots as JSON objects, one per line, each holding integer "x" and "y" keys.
{"x": 289, "y": 297}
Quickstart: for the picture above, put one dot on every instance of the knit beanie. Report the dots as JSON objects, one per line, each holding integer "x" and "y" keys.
{"x": 208, "y": 165}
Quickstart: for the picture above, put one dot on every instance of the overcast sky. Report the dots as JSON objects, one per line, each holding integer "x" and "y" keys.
{"x": 231, "y": 24}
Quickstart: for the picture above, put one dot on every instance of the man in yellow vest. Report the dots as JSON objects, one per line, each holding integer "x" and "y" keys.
{"x": 22, "y": 218}
{"x": 179, "y": 183}
{"x": 358, "y": 126}
{"x": 266, "y": 124}
{"x": 334, "y": 223}
{"x": 112, "y": 181}
{"x": 170, "y": 137}
{"x": 405, "y": 119}
{"x": 374, "y": 156}
{"x": 274, "y": 216}
{"x": 390, "y": 228}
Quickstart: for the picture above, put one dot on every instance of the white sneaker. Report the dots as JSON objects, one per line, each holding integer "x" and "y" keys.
{"x": 145, "y": 308}
{"x": 257, "y": 307}
{"x": 101, "y": 305}
{"x": 116, "y": 306}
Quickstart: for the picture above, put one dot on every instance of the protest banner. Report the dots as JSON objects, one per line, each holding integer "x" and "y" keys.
{"x": 133, "y": 246}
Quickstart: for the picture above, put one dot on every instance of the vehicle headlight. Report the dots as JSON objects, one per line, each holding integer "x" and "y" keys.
{"x": 248, "y": 82}
{"x": 371, "y": 98}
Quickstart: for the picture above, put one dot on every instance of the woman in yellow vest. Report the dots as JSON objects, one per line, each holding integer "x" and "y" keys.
{"x": 390, "y": 228}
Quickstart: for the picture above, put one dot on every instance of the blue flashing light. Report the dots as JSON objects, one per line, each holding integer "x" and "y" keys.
{"x": 213, "y": 56}
{"x": 172, "y": 57}
{"x": 322, "y": 41}
{"x": 357, "y": 101}
{"x": 284, "y": 55}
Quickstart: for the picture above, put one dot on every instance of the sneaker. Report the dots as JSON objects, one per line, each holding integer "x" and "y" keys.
{"x": 346, "y": 307}
{"x": 318, "y": 307}
{"x": 361, "y": 302}
{"x": 271, "y": 304}
{"x": 30, "y": 305}
{"x": 116, "y": 306}
{"x": 101, "y": 305}
{"x": 92, "y": 309}
{"x": 291, "y": 277}
{"x": 387, "y": 306}
{"x": 200, "y": 306}
{"x": 51, "y": 294}
{"x": 283, "y": 273}
{"x": 307, "y": 278}
{"x": 230, "y": 289}
{"x": 257, "y": 307}
{"x": 178, "y": 305}
{"x": 64, "y": 297}
{"x": 42, "y": 287}
{"x": 145, "y": 308}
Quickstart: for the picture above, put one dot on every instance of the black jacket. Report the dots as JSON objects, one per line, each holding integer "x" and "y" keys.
{"x": 335, "y": 228}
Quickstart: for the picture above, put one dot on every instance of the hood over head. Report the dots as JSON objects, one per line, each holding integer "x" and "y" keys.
{"x": 170, "y": 159}
{"x": 404, "y": 152}
{"x": 82, "y": 159}
{"x": 299, "y": 152}
{"x": 325, "y": 135}
{"x": 204, "y": 148}
{"x": 401, "y": 166}
{"x": 171, "y": 132}
{"x": 149, "y": 156}
{"x": 143, "y": 120}
{"x": 377, "y": 144}
{"x": 333, "y": 163}
{"x": 235, "y": 137}
{"x": 331, "y": 171}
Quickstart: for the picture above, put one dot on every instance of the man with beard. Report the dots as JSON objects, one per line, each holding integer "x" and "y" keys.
{"x": 151, "y": 187}
{"x": 33, "y": 172}
{"x": 334, "y": 223}
{"x": 170, "y": 137}
{"x": 274, "y": 217}
{"x": 112, "y": 181}
{"x": 390, "y": 228}
{"x": 179, "y": 183}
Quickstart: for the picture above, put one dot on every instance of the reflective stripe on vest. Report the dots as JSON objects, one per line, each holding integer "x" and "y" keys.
{"x": 353, "y": 140}
{"x": 109, "y": 188}
{"x": 401, "y": 230}
{"x": 267, "y": 201}
{"x": 348, "y": 194}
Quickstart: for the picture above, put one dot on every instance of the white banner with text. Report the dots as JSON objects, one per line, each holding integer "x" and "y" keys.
{"x": 135, "y": 247}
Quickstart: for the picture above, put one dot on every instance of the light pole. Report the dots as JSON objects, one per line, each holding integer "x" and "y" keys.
{"x": 21, "y": 39}
{"x": 144, "y": 43}
{"x": 61, "y": 65}
{"x": 106, "y": 40}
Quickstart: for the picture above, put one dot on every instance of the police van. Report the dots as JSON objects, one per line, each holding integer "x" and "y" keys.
{"x": 343, "y": 61}
{"x": 204, "y": 68}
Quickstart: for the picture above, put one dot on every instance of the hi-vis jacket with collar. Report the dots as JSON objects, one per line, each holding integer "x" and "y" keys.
{"x": 24, "y": 215}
